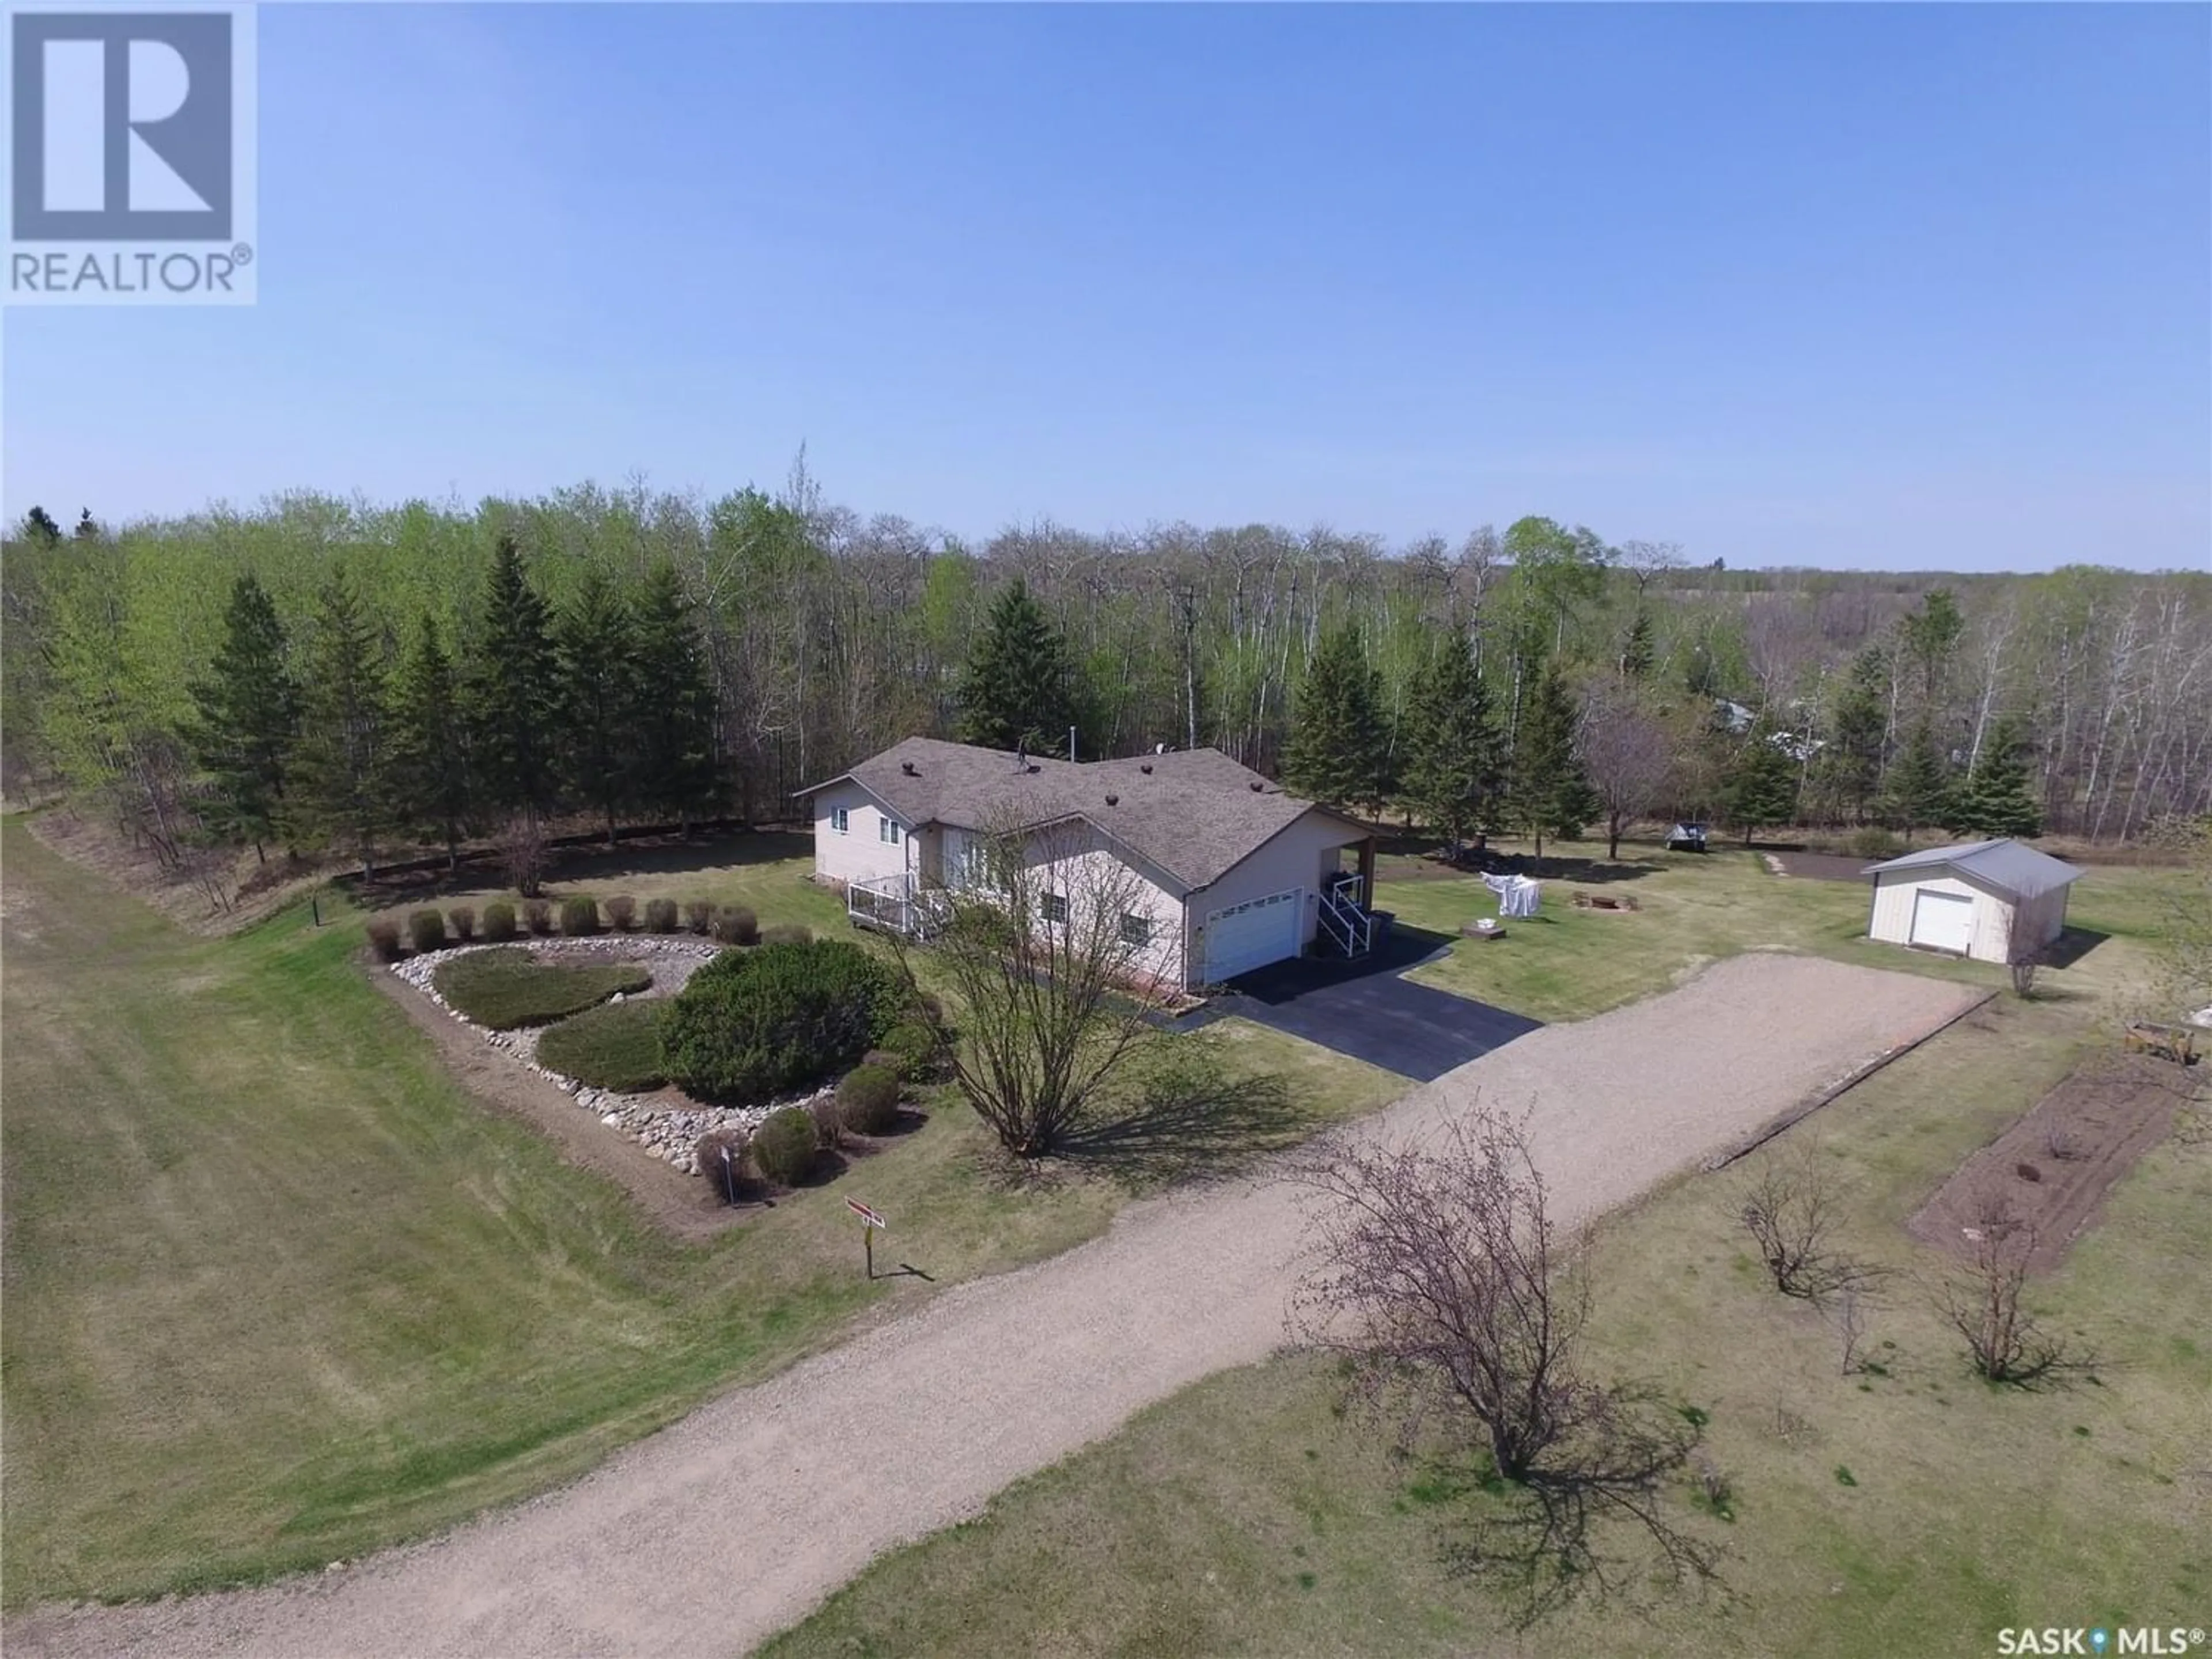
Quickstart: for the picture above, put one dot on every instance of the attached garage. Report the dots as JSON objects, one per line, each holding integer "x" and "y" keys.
{"x": 1252, "y": 935}
{"x": 1989, "y": 900}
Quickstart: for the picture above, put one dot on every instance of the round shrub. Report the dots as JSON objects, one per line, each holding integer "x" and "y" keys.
{"x": 785, "y": 1146}
{"x": 698, "y": 915}
{"x": 384, "y": 937}
{"x": 788, "y": 932}
{"x": 463, "y": 920}
{"x": 914, "y": 1048}
{"x": 725, "y": 1176}
{"x": 622, "y": 912}
{"x": 499, "y": 921}
{"x": 660, "y": 915}
{"x": 868, "y": 1100}
{"x": 426, "y": 930}
{"x": 578, "y": 915}
{"x": 538, "y": 915}
{"x": 753, "y": 1024}
{"x": 1876, "y": 843}
{"x": 735, "y": 925}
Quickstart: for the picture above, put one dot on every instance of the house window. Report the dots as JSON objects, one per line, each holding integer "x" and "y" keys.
{"x": 1055, "y": 906}
{"x": 1136, "y": 929}
{"x": 887, "y": 829}
{"x": 841, "y": 819}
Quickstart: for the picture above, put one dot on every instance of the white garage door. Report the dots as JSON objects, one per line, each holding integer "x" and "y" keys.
{"x": 1252, "y": 935}
{"x": 1942, "y": 921}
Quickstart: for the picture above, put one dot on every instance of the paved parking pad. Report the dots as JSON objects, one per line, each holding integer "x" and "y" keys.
{"x": 1370, "y": 1011}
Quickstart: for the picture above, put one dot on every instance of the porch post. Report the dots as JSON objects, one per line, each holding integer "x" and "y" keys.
{"x": 1367, "y": 874}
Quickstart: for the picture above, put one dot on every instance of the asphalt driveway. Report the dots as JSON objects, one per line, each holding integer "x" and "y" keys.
{"x": 1368, "y": 1010}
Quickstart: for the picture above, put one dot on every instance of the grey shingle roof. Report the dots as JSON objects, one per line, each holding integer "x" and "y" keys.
{"x": 2020, "y": 872}
{"x": 1195, "y": 814}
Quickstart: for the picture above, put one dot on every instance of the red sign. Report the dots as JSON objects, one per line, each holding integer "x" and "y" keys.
{"x": 866, "y": 1214}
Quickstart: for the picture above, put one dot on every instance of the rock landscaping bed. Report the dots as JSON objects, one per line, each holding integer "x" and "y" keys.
{"x": 666, "y": 1123}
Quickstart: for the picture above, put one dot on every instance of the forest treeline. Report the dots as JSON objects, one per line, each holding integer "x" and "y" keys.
{"x": 672, "y": 656}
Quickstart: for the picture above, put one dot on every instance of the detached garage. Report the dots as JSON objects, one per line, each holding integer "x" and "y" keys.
{"x": 1973, "y": 899}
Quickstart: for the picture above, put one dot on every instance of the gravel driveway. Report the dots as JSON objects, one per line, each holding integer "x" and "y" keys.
{"x": 784, "y": 1491}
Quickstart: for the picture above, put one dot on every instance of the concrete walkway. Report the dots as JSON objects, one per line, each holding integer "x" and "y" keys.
{"x": 782, "y": 1492}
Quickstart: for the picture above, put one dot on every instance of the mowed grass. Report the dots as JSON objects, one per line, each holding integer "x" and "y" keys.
{"x": 278, "y": 1292}
{"x": 1248, "y": 1516}
{"x": 1694, "y": 908}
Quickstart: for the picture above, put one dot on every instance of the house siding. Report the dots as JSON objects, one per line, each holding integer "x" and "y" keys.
{"x": 1089, "y": 865}
{"x": 860, "y": 854}
{"x": 1296, "y": 856}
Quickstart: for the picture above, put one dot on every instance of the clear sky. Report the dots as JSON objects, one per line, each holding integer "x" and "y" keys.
{"x": 1899, "y": 286}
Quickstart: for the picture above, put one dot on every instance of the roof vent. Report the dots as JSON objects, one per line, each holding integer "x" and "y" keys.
{"x": 1033, "y": 767}
{"x": 1146, "y": 767}
{"x": 907, "y": 767}
{"x": 1113, "y": 800}
{"x": 1257, "y": 786}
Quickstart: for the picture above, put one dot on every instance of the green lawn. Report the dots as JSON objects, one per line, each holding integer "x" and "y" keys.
{"x": 277, "y": 1292}
{"x": 1694, "y": 908}
{"x": 1247, "y": 1516}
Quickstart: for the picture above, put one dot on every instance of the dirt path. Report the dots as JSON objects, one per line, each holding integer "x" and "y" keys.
{"x": 782, "y": 1492}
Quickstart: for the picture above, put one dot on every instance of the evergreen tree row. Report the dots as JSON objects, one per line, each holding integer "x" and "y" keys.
{"x": 344, "y": 738}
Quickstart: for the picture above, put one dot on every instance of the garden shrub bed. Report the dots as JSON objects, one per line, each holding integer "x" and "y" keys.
{"x": 614, "y": 1046}
{"x": 506, "y": 987}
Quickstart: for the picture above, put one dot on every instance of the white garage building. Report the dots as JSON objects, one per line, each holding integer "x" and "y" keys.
{"x": 1974, "y": 900}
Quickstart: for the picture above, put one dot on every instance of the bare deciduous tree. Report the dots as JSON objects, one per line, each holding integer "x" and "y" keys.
{"x": 524, "y": 853}
{"x": 1628, "y": 753}
{"x": 1443, "y": 1282}
{"x": 2003, "y": 1341}
{"x": 1044, "y": 947}
{"x": 1790, "y": 1211}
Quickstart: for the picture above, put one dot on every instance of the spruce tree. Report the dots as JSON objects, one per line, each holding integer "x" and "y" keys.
{"x": 1019, "y": 690}
{"x": 429, "y": 746}
{"x": 1994, "y": 801}
{"x": 1919, "y": 790}
{"x": 675, "y": 772}
{"x": 510, "y": 688}
{"x": 1453, "y": 767}
{"x": 340, "y": 790}
{"x": 1336, "y": 752}
{"x": 247, "y": 708}
{"x": 1761, "y": 786}
{"x": 1850, "y": 765}
{"x": 595, "y": 652}
{"x": 1637, "y": 655}
{"x": 39, "y": 526}
{"x": 1547, "y": 792}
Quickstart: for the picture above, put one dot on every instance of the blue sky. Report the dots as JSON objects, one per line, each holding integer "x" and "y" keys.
{"x": 1843, "y": 285}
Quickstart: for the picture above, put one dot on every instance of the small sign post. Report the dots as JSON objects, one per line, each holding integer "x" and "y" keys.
{"x": 869, "y": 1221}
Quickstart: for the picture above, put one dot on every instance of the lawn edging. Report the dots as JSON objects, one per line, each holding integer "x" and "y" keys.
{"x": 1851, "y": 1080}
